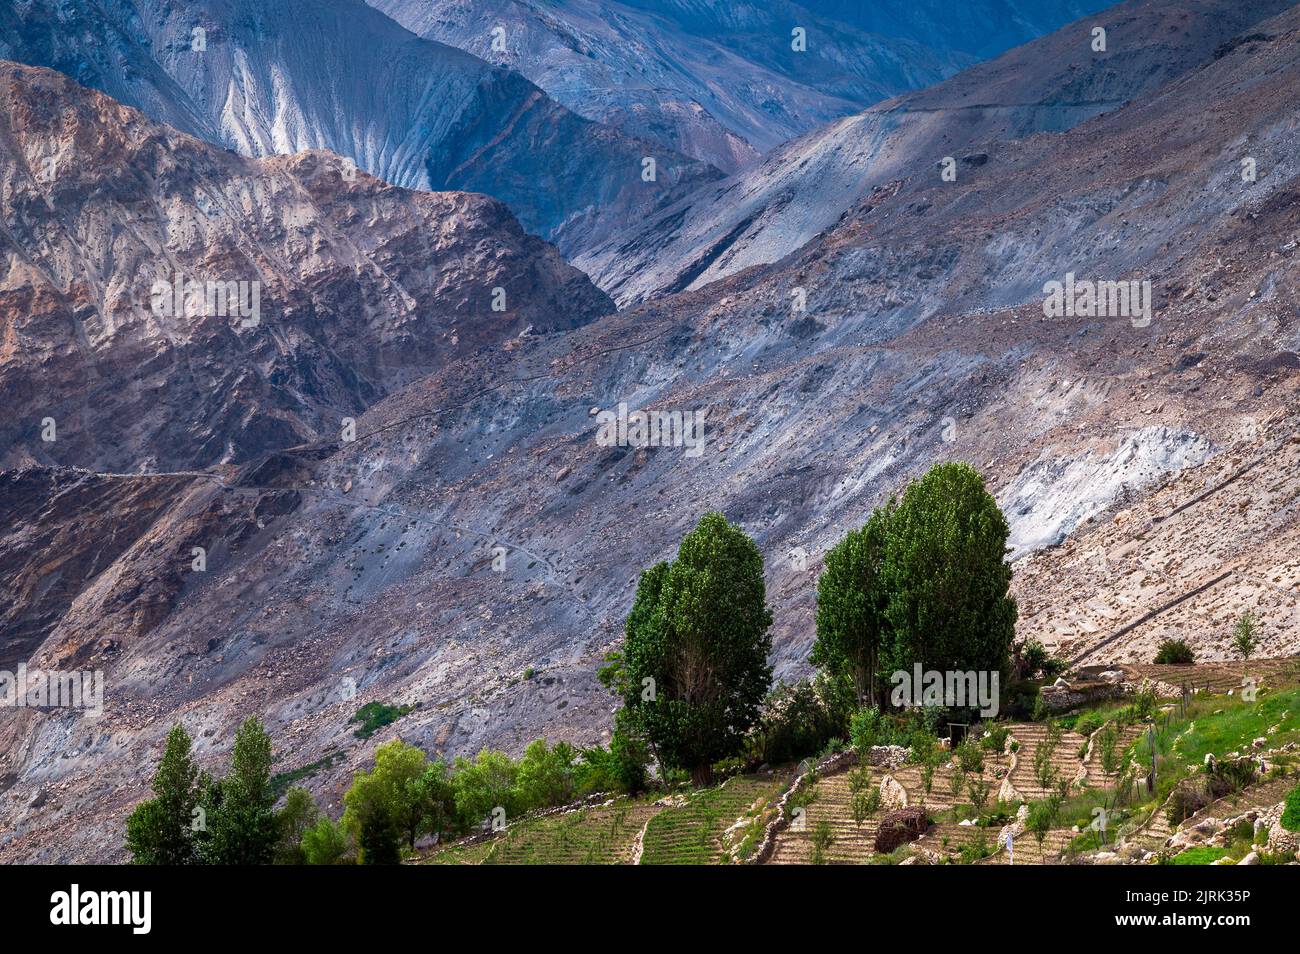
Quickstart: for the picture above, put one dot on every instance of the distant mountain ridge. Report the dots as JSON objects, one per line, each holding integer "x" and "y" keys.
{"x": 283, "y": 77}
{"x": 803, "y": 187}
{"x": 718, "y": 82}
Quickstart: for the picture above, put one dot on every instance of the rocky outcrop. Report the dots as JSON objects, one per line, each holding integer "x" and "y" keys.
{"x": 169, "y": 305}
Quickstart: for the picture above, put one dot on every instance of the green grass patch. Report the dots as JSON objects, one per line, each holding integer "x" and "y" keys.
{"x": 282, "y": 782}
{"x": 373, "y": 716}
{"x": 1200, "y": 855}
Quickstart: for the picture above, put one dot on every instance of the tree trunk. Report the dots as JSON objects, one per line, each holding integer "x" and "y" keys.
{"x": 702, "y": 775}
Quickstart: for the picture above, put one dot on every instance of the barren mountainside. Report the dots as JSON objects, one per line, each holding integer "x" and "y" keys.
{"x": 718, "y": 82}
{"x": 803, "y": 187}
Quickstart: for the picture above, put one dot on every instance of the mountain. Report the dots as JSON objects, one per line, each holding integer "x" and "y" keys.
{"x": 474, "y": 552}
{"x": 170, "y": 305}
{"x": 338, "y": 75}
{"x": 717, "y": 82}
{"x": 802, "y": 188}
{"x": 982, "y": 30}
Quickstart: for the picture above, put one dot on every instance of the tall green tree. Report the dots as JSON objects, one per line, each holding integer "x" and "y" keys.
{"x": 483, "y": 785}
{"x": 695, "y": 655}
{"x": 545, "y": 775}
{"x": 160, "y": 830}
{"x": 1243, "y": 636}
{"x": 416, "y": 795}
{"x": 241, "y": 821}
{"x": 947, "y": 577}
{"x": 851, "y": 601}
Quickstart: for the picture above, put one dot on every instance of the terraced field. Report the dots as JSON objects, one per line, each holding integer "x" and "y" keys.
{"x": 692, "y": 833}
{"x": 1095, "y": 776}
{"x": 1220, "y": 677}
{"x": 851, "y": 844}
{"x": 600, "y": 835}
{"x": 1065, "y": 759}
{"x": 833, "y": 804}
{"x": 457, "y": 854}
{"x": 948, "y": 838}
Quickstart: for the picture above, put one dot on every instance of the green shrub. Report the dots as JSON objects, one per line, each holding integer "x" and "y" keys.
{"x": 1291, "y": 814}
{"x": 1184, "y": 802}
{"x": 373, "y": 716}
{"x": 1200, "y": 855}
{"x": 870, "y": 727}
{"x": 970, "y": 756}
{"x": 995, "y": 738}
{"x": 1172, "y": 652}
{"x": 801, "y": 720}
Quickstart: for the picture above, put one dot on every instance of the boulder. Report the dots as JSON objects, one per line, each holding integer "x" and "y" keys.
{"x": 892, "y": 793}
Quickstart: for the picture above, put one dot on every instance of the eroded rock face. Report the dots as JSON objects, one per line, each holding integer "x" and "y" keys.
{"x": 167, "y": 304}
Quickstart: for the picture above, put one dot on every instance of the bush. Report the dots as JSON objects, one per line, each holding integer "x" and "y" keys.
{"x": 800, "y": 720}
{"x": 373, "y": 716}
{"x": 899, "y": 827}
{"x": 1291, "y": 814}
{"x": 995, "y": 738}
{"x": 1174, "y": 652}
{"x": 620, "y": 768}
{"x": 325, "y": 843}
{"x": 872, "y": 727}
{"x": 970, "y": 756}
{"x": 483, "y": 785}
{"x": 1031, "y": 660}
{"x": 1186, "y": 801}
{"x": 1225, "y": 776}
{"x": 545, "y": 776}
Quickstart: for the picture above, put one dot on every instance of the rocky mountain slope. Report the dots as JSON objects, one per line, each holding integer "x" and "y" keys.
{"x": 802, "y": 188}
{"x": 718, "y": 82}
{"x": 278, "y": 78}
{"x": 473, "y": 553}
{"x": 981, "y": 29}
{"x": 307, "y": 291}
